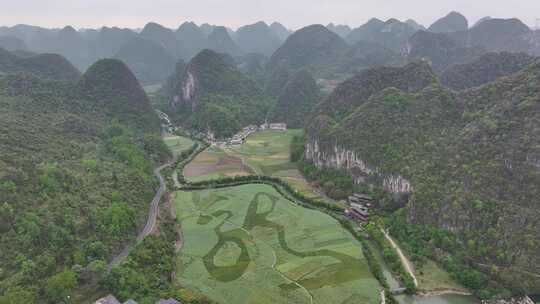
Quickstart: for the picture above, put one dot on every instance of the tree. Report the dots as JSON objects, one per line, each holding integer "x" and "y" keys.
{"x": 118, "y": 220}
{"x": 6, "y": 216}
{"x": 60, "y": 286}
{"x": 16, "y": 295}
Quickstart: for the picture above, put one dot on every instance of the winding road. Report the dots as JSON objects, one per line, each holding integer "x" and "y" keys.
{"x": 404, "y": 260}
{"x": 152, "y": 215}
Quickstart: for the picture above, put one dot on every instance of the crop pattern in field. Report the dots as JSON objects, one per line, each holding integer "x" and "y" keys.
{"x": 247, "y": 244}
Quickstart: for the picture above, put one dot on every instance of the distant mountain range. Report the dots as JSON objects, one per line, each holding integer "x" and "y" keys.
{"x": 86, "y": 46}
{"x": 151, "y": 52}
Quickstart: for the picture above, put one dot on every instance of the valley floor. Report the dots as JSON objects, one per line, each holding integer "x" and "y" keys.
{"x": 248, "y": 244}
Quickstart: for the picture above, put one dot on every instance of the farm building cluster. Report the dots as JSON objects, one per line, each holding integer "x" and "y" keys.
{"x": 240, "y": 137}
{"x": 358, "y": 207}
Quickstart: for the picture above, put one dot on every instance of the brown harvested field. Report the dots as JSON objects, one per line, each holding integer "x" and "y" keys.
{"x": 214, "y": 163}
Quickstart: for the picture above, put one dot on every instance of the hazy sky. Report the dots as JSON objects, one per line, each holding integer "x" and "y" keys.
{"x": 292, "y": 13}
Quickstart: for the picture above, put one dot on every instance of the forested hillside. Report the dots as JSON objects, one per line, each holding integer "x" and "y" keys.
{"x": 51, "y": 66}
{"x": 75, "y": 178}
{"x": 486, "y": 68}
{"x": 468, "y": 161}
{"x": 214, "y": 96}
{"x": 297, "y": 100}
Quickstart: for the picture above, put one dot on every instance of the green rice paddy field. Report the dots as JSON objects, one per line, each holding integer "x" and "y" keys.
{"x": 178, "y": 144}
{"x": 267, "y": 152}
{"x": 247, "y": 244}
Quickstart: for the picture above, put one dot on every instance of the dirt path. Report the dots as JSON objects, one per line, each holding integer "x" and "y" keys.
{"x": 404, "y": 260}
{"x": 151, "y": 219}
{"x": 245, "y": 164}
{"x": 443, "y": 292}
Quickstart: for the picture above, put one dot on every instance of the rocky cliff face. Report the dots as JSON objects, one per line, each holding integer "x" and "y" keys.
{"x": 341, "y": 158}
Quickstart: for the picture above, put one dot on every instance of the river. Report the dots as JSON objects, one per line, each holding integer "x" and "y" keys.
{"x": 444, "y": 299}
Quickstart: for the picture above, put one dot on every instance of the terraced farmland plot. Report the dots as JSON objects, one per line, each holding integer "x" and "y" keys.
{"x": 214, "y": 163}
{"x": 268, "y": 152}
{"x": 248, "y": 244}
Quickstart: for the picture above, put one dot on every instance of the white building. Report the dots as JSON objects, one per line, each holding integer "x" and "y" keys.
{"x": 236, "y": 142}
{"x": 278, "y": 126}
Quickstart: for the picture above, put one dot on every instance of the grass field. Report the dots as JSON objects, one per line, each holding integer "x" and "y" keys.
{"x": 431, "y": 277}
{"x": 247, "y": 244}
{"x": 178, "y": 144}
{"x": 268, "y": 152}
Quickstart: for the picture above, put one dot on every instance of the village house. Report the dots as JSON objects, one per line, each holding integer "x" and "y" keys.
{"x": 236, "y": 141}
{"x": 355, "y": 215}
{"x": 168, "y": 301}
{"x": 359, "y": 205}
{"x": 110, "y": 299}
{"x": 278, "y": 126}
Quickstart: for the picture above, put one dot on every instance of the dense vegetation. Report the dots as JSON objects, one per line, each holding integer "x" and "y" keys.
{"x": 391, "y": 257}
{"x": 442, "y": 50}
{"x": 471, "y": 158}
{"x": 297, "y": 100}
{"x": 221, "y": 99}
{"x": 355, "y": 91}
{"x": 75, "y": 179}
{"x": 485, "y": 69}
{"x": 423, "y": 242}
{"x": 49, "y": 66}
